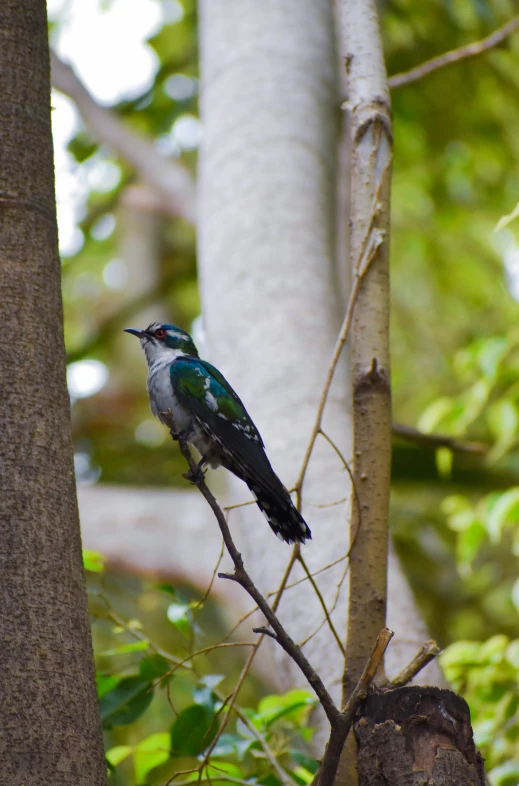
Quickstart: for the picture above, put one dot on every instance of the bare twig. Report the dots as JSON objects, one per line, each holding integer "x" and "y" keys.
{"x": 231, "y": 702}
{"x": 265, "y": 632}
{"x": 455, "y": 55}
{"x": 210, "y": 587}
{"x": 171, "y": 178}
{"x": 282, "y": 775}
{"x": 230, "y": 705}
{"x": 317, "y": 591}
{"x": 339, "y": 732}
{"x": 425, "y": 655}
{"x": 241, "y": 577}
{"x": 340, "y": 722}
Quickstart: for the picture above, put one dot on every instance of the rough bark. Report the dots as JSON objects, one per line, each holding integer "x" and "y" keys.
{"x": 50, "y": 731}
{"x": 417, "y": 736}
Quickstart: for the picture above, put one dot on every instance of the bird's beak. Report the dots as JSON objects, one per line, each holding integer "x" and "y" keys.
{"x": 134, "y": 332}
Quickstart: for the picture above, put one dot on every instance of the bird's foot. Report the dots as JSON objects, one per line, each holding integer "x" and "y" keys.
{"x": 180, "y": 436}
{"x": 196, "y": 475}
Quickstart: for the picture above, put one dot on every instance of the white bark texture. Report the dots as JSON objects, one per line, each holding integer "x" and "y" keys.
{"x": 267, "y": 257}
{"x": 272, "y": 307}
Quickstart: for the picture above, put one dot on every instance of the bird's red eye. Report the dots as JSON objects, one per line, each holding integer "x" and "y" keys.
{"x": 160, "y": 333}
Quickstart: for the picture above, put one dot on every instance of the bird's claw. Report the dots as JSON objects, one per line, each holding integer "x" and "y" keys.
{"x": 179, "y": 436}
{"x": 195, "y": 475}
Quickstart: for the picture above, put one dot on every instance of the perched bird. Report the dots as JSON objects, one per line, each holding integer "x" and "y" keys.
{"x": 198, "y": 405}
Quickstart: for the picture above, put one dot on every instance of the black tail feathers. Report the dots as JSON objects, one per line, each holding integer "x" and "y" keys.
{"x": 285, "y": 521}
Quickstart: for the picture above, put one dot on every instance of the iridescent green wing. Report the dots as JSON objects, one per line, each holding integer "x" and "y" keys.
{"x": 201, "y": 388}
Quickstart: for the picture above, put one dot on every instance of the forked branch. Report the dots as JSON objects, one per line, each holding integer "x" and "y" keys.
{"x": 340, "y": 721}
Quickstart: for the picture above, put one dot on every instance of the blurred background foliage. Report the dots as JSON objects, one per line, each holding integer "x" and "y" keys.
{"x": 455, "y": 366}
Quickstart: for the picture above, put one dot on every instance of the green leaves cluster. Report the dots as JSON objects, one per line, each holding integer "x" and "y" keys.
{"x": 162, "y": 710}
{"x": 487, "y": 674}
{"x": 487, "y": 406}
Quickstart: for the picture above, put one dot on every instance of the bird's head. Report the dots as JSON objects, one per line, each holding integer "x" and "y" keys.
{"x": 164, "y": 341}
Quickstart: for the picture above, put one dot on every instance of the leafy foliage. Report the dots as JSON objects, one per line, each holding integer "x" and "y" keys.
{"x": 162, "y": 711}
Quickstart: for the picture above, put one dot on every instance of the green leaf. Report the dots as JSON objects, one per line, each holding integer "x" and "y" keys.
{"x": 303, "y": 775}
{"x": 179, "y": 615}
{"x": 293, "y": 705}
{"x": 150, "y": 753}
{"x": 468, "y": 545}
{"x": 504, "y": 511}
{"x": 232, "y": 744}
{"x": 444, "y": 458}
{"x": 93, "y": 561}
{"x": 193, "y": 731}
{"x": 491, "y": 353}
{"x": 153, "y": 668}
{"x": 493, "y": 650}
{"x": 204, "y": 695}
{"x": 505, "y": 775}
{"x": 503, "y": 418}
{"x": 212, "y": 771}
{"x": 512, "y": 653}
{"x": 126, "y": 702}
{"x": 461, "y": 653}
{"x": 105, "y": 683}
{"x": 515, "y": 594}
{"x": 434, "y": 414}
{"x": 118, "y": 754}
{"x": 169, "y": 588}
{"x": 136, "y": 646}
{"x": 312, "y": 765}
{"x": 505, "y": 220}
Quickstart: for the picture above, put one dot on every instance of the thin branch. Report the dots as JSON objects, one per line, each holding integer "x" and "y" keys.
{"x": 425, "y": 655}
{"x": 332, "y": 753}
{"x": 371, "y": 242}
{"x": 265, "y": 632}
{"x": 210, "y": 587}
{"x": 455, "y": 55}
{"x": 171, "y": 178}
{"x": 323, "y": 604}
{"x": 361, "y": 689}
{"x": 230, "y": 704}
{"x": 436, "y": 440}
{"x": 282, "y": 775}
{"x": 240, "y": 576}
{"x": 340, "y": 722}
{"x": 333, "y": 606}
{"x": 203, "y": 651}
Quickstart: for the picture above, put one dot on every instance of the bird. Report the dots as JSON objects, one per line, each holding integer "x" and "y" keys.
{"x": 195, "y": 401}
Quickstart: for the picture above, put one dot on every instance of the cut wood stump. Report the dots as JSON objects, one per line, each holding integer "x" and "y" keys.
{"x": 417, "y": 736}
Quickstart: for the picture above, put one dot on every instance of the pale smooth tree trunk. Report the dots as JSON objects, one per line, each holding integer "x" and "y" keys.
{"x": 271, "y": 301}
{"x": 272, "y": 296}
{"x": 50, "y": 731}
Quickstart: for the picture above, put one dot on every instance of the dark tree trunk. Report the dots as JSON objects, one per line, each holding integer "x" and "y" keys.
{"x": 50, "y": 733}
{"x": 418, "y": 736}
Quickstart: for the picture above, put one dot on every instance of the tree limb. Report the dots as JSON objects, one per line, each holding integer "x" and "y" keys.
{"x": 170, "y": 178}
{"x": 455, "y": 55}
{"x": 411, "y": 434}
{"x": 241, "y": 576}
{"x": 425, "y": 655}
{"x": 340, "y": 721}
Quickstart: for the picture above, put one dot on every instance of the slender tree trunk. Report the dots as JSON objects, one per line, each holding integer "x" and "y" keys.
{"x": 49, "y": 729}
{"x": 371, "y": 151}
